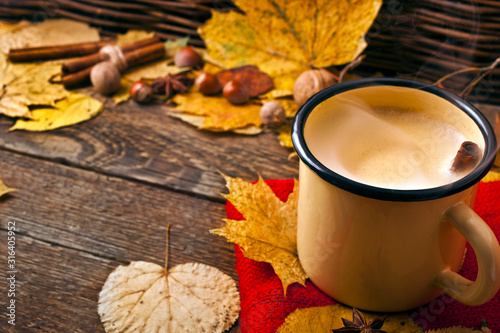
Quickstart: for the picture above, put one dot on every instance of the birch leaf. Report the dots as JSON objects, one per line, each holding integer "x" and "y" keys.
{"x": 69, "y": 111}
{"x": 326, "y": 318}
{"x": 192, "y": 297}
{"x": 269, "y": 231}
{"x": 220, "y": 115}
{"x": 284, "y": 38}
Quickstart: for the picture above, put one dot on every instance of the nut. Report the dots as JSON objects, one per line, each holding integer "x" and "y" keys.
{"x": 236, "y": 92}
{"x": 187, "y": 57}
{"x": 208, "y": 84}
{"x": 105, "y": 77}
{"x": 141, "y": 92}
{"x": 272, "y": 114}
{"x": 310, "y": 82}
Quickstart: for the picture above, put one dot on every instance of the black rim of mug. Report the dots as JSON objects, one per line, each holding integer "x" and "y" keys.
{"x": 391, "y": 194}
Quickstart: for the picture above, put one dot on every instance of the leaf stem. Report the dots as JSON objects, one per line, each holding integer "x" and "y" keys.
{"x": 167, "y": 248}
{"x": 353, "y": 64}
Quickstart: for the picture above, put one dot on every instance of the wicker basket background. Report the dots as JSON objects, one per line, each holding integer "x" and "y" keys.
{"x": 423, "y": 39}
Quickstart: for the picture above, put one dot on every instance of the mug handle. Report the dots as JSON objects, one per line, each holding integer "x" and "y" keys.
{"x": 487, "y": 250}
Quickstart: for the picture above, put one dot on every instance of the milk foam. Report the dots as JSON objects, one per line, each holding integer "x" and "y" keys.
{"x": 389, "y": 148}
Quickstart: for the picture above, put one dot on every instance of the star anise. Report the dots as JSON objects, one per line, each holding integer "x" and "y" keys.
{"x": 179, "y": 83}
{"x": 359, "y": 324}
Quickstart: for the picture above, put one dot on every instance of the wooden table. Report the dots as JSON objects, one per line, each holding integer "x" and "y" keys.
{"x": 101, "y": 194}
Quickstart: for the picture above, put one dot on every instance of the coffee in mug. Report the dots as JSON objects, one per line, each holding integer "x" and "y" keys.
{"x": 383, "y": 217}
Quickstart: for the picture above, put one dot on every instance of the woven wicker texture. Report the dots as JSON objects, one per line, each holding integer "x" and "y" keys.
{"x": 423, "y": 39}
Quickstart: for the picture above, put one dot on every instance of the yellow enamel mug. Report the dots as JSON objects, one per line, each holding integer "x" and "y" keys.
{"x": 383, "y": 249}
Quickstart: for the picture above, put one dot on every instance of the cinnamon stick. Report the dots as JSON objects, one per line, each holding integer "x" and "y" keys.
{"x": 92, "y": 59}
{"x": 55, "y": 52}
{"x": 467, "y": 157}
{"x": 135, "y": 57}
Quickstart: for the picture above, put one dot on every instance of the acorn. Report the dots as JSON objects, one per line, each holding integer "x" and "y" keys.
{"x": 236, "y": 92}
{"x": 208, "y": 84}
{"x": 187, "y": 57}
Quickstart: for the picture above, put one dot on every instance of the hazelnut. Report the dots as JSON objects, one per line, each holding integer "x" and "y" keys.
{"x": 141, "y": 92}
{"x": 236, "y": 92}
{"x": 105, "y": 77}
{"x": 187, "y": 57}
{"x": 310, "y": 82}
{"x": 272, "y": 114}
{"x": 208, "y": 84}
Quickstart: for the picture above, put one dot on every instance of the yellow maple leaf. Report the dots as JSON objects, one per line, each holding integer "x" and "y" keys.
{"x": 218, "y": 113}
{"x": 284, "y": 38}
{"x": 269, "y": 231}
{"x": 326, "y": 318}
{"x": 69, "y": 111}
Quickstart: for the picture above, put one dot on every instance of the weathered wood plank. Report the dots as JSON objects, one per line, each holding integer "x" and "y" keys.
{"x": 56, "y": 288}
{"x": 144, "y": 143}
{"x": 111, "y": 217}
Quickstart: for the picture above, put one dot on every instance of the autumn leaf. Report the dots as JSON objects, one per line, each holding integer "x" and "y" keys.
{"x": 192, "y": 297}
{"x": 23, "y": 85}
{"x": 47, "y": 33}
{"x": 326, "y": 318}
{"x": 256, "y": 81}
{"x": 69, "y": 111}
{"x": 219, "y": 114}
{"x": 132, "y": 36}
{"x": 4, "y": 189}
{"x": 285, "y": 136}
{"x": 269, "y": 231}
{"x": 284, "y": 38}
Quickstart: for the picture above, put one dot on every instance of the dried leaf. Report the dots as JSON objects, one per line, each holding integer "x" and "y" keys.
{"x": 133, "y": 36}
{"x": 285, "y": 136}
{"x": 220, "y": 115}
{"x": 284, "y": 38}
{"x": 4, "y": 189}
{"x": 326, "y": 318}
{"x": 269, "y": 231}
{"x": 27, "y": 84}
{"x": 69, "y": 111}
{"x": 192, "y": 297}
{"x": 122, "y": 94}
{"x": 255, "y": 80}
{"x": 199, "y": 120}
{"x": 152, "y": 70}
{"x": 47, "y": 33}
{"x": 172, "y": 46}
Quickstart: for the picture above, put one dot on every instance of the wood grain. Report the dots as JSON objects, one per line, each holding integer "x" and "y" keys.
{"x": 57, "y": 288}
{"x": 74, "y": 226}
{"x": 143, "y": 143}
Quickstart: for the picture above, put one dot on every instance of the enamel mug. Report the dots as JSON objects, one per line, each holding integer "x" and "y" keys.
{"x": 382, "y": 249}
